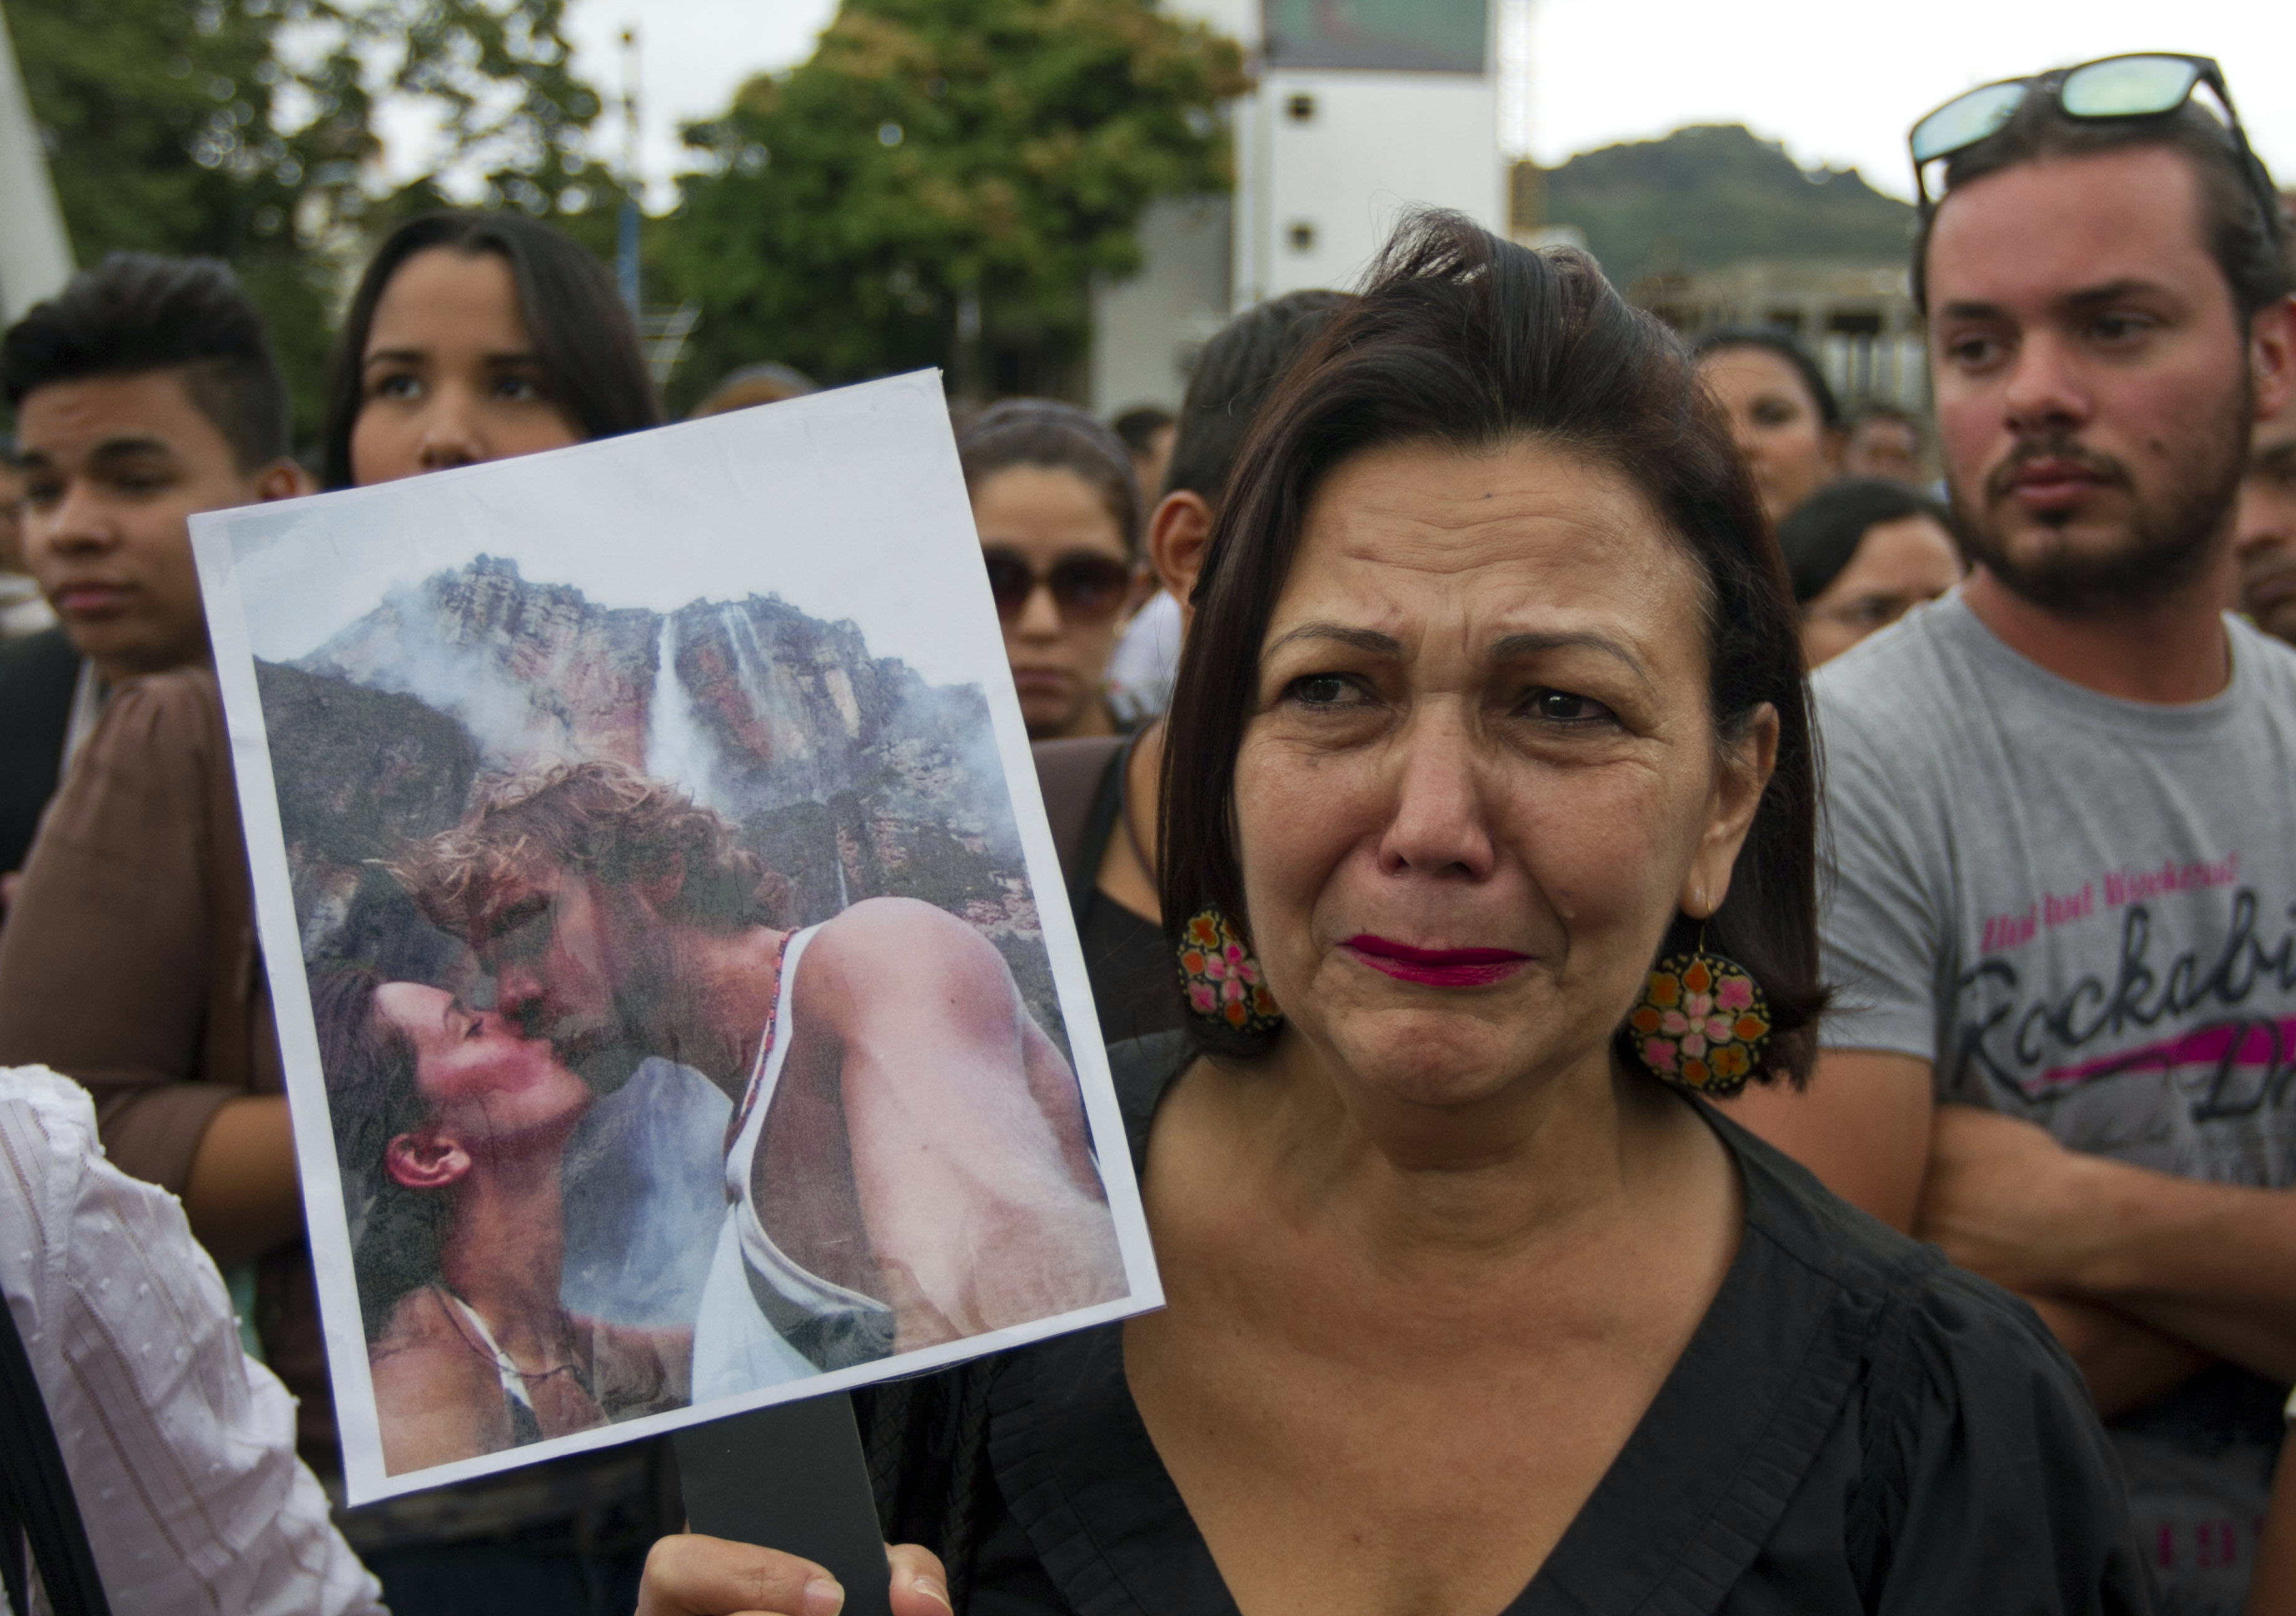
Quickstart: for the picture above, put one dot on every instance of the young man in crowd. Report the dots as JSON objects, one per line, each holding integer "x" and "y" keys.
{"x": 1147, "y": 433}
{"x": 1100, "y": 792}
{"x": 2063, "y": 922}
{"x": 909, "y": 1162}
{"x": 1138, "y": 680}
{"x": 2266, "y": 539}
{"x": 144, "y": 392}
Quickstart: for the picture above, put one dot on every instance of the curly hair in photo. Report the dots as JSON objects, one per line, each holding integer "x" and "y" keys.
{"x": 602, "y": 818}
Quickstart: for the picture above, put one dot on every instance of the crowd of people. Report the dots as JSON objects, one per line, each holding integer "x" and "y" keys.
{"x": 1703, "y": 983}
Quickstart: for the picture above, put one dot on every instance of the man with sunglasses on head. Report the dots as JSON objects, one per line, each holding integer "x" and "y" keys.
{"x": 2065, "y": 916}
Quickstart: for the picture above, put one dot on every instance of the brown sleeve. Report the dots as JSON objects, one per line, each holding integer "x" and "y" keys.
{"x": 1071, "y": 774}
{"x": 106, "y": 959}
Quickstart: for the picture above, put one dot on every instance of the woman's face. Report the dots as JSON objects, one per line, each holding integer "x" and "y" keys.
{"x": 1896, "y": 567}
{"x": 1480, "y": 777}
{"x": 450, "y": 377}
{"x": 485, "y": 1087}
{"x": 1776, "y": 424}
{"x": 1047, "y": 531}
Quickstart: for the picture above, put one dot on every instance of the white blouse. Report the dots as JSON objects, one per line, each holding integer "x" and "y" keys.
{"x": 180, "y": 1447}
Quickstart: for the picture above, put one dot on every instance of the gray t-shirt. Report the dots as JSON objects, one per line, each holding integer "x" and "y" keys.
{"x": 2083, "y": 911}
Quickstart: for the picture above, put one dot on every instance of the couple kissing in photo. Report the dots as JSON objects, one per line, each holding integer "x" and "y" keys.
{"x": 908, "y": 1161}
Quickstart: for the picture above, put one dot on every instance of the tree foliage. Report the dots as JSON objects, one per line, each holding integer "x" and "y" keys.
{"x": 245, "y": 130}
{"x": 940, "y": 166}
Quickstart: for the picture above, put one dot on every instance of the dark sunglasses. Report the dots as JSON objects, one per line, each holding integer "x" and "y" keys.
{"x": 1086, "y": 588}
{"x": 2150, "y": 84}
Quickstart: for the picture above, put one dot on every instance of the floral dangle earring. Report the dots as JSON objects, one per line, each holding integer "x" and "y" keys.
{"x": 1701, "y": 1022}
{"x": 1221, "y": 978}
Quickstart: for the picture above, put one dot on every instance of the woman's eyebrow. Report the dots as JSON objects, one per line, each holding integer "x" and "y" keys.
{"x": 1515, "y": 645}
{"x": 416, "y": 356}
{"x": 1361, "y": 639}
{"x": 1506, "y": 649}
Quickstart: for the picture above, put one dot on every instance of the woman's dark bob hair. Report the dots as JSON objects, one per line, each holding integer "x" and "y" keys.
{"x": 1822, "y": 536}
{"x": 583, "y": 334}
{"x": 1057, "y": 437}
{"x": 372, "y": 1099}
{"x": 1774, "y": 341}
{"x": 1465, "y": 341}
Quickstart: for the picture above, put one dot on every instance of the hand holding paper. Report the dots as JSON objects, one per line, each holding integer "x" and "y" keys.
{"x": 647, "y": 858}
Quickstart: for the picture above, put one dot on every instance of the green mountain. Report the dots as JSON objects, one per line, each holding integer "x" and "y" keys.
{"x": 1712, "y": 193}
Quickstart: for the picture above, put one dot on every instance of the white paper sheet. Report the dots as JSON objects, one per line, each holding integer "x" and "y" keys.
{"x": 781, "y": 613}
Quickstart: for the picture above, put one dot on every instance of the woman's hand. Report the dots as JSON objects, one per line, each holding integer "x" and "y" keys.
{"x": 690, "y": 1575}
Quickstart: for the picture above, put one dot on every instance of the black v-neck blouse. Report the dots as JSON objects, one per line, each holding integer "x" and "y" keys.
{"x": 1855, "y": 1427}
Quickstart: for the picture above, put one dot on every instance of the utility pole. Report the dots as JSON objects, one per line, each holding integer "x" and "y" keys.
{"x": 626, "y": 256}
{"x": 35, "y": 254}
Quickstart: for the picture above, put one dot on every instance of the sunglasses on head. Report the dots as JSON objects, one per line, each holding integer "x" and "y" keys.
{"x": 2150, "y": 84}
{"x": 1086, "y": 588}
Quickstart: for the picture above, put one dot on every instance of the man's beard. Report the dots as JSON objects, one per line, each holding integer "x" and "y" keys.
{"x": 656, "y": 1010}
{"x": 2172, "y": 535}
{"x": 603, "y": 1054}
{"x": 641, "y": 1019}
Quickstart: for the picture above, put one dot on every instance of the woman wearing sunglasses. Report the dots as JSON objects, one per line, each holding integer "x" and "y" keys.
{"x": 1060, "y": 526}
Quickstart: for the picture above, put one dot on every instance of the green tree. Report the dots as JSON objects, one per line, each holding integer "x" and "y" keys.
{"x": 941, "y": 183}
{"x": 244, "y": 129}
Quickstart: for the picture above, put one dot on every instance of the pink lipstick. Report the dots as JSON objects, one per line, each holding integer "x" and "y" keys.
{"x": 1436, "y": 967}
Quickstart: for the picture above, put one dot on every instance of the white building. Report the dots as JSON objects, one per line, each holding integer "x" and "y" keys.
{"x": 1361, "y": 110}
{"x": 35, "y": 257}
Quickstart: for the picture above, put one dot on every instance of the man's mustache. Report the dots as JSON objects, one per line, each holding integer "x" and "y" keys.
{"x": 2057, "y": 445}
{"x": 534, "y": 1020}
{"x": 602, "y": 1056}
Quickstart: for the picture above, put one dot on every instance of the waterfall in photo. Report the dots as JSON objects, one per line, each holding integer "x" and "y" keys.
{"x": 677, "y": 748}
{"x": 738, "y": 630}
{"x": 792, "y": 739}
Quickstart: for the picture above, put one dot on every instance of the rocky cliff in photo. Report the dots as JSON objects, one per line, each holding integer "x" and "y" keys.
{"x": 847, "y": 772}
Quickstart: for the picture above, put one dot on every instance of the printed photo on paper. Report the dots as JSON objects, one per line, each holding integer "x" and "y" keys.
{"x": 680, "y": 1006}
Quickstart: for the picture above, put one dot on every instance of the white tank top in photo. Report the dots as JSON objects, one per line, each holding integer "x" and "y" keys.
{"x": 764, "y": 1321}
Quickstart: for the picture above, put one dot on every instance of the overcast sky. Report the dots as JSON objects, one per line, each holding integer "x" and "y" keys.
{"x": 1840, "y": 83}
{"x": 1837, "y": 83}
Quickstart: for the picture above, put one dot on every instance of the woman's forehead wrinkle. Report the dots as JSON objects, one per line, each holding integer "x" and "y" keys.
{"x": 1486, "y": 555}
{"x": 1450, "y": 535}
{"x": 1503, "y": 576}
